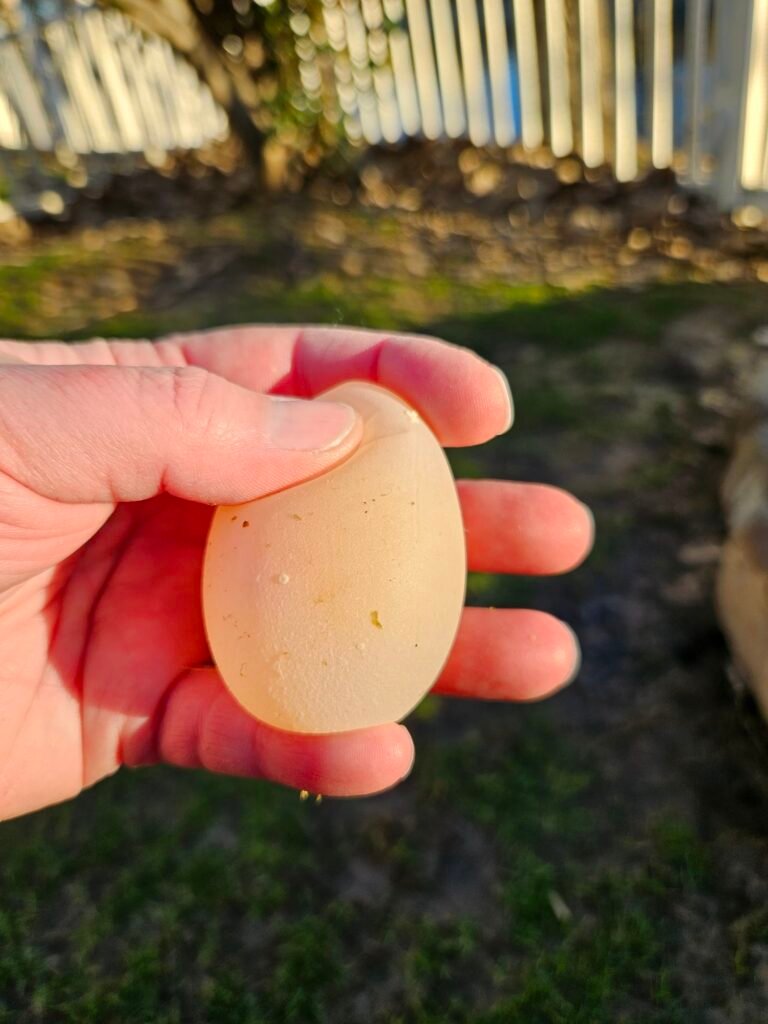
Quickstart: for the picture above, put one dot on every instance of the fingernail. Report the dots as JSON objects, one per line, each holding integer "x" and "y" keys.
{"x": 510, "y": 401}
{"x": 298, "y": 425}
{"x": 591, "y": 518}
{"x": 408, "y": 771}
{"x": 578, "y": 657}
{"x": 408, "y": 739}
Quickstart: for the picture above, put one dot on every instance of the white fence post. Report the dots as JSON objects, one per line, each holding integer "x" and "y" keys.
{"x": 474, "y": 72}
{"x": 532, "y": 128}
{"x": 448, "y": 69}
{"x": 560, "y": 127}
{"x": 755, "y": 148}
{"x": 626, "y": 91}
{"x": 498, "y": 71}
{"x": 591, "y": 75}
{"x": 659, "y": 84}
{"x": 695, "y": 59}
{"x": 733, "y": 27}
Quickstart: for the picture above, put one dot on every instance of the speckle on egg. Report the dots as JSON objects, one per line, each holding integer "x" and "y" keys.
{"x": 346, "y": 579}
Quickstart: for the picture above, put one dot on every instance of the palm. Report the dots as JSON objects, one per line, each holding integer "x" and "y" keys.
{"x": 102, "y": 636}
{"x": 101, "y": 631}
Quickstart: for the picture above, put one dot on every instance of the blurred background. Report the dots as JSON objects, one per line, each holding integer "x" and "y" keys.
{"x": 578, "y": 190}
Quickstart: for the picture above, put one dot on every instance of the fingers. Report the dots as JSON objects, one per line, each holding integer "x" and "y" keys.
{"x": 498, "y": 655}
{"x": 464, "y": 399}
{"x": 107, "y": 433}
{"x": 530, "y": 529}
{"x": 509, "y": 654}
{"x": 203, "y": 727}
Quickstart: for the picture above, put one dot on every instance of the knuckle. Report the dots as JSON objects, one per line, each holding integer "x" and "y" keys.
{"x": 196, "y": 396}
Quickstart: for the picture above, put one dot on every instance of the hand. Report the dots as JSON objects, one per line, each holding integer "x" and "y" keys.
{"x": 111, "y": 456}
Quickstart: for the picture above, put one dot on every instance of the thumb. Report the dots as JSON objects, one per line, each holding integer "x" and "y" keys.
{"x": 110, "y": 433}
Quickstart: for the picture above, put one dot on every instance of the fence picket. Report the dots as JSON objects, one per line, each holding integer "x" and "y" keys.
{"x": 591, "y": 77}
{"x": 498, "y": 72}
{"x": 362, "y": 76}
{"x": 448, "y": 71}
{"x": 659, "y": 80}
{"x": 625, "y": 129}
{"x": 695, "y": 59}
{"x": 22, "y": 93}
{"x": 424, "y": 64}
{"x": 112, "y": 77}
{"x": 405, "y": 81}
{"x": 474, "y": 73}
{"x": 756, "y": 109}
{"x": 532, "y": 126}
{"x": 560, "y": 127}
{"x": 11, "y": 136}
{"x": 733, "y": 28}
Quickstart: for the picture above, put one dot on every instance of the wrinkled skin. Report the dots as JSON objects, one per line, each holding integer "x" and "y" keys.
{"x": 112, "y": 456}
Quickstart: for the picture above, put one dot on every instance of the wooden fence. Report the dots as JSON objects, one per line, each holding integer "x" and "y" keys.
{"x": 635, "y": 84}
{"x": 632, "y": 83}
{"x": 97, "y": 85}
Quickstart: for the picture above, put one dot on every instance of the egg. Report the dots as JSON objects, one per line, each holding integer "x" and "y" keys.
{"x": 333, "y": 605}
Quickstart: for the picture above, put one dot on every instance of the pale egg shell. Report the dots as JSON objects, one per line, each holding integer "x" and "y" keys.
{"x": 333, "y": 605}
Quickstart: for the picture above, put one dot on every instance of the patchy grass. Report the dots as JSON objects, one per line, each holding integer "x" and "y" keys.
{"x": 176, "y": 898}
{"x": 141, "y": 278}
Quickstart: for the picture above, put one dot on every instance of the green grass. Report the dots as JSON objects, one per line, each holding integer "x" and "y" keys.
{"x": 147, "y": 897}
{"x": 175, "y": 898}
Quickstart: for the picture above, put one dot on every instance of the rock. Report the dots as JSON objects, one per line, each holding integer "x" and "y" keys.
{"x": 697, "y": 553}
{"x": 698, "y": 342}
{"x": 13, "y": 229}
{"x": 742, "y": 587}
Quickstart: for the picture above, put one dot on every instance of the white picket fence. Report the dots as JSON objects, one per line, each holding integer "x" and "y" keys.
{"x": 104, "y": 88}
{"x": 632, "y": 83}
{"x": 647, "y": 83}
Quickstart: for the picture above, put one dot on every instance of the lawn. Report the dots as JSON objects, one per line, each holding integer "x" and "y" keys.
{"x": 596, "y": 858}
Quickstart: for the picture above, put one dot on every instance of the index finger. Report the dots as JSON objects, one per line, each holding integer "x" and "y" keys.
{"x": 465, "y": 399}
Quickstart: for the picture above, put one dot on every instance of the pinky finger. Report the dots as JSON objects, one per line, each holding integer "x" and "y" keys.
{"x": 204, "y": 727}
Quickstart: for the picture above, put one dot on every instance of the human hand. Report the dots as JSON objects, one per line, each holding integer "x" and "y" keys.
{"x": 111, "y": 456}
